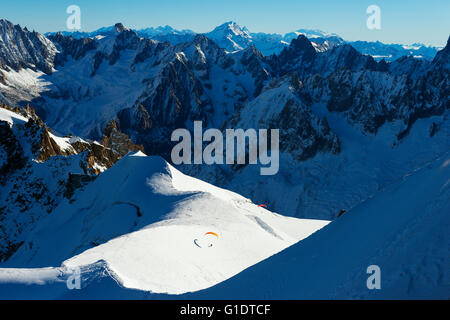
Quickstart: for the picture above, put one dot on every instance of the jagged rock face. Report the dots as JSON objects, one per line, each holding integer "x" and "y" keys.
{"x": 20, "y": 48}
{"x": 345, "y": 57}
{"x": 28, "y": 189}
{"x": 322, "y": 44}
{"x": 125, "y": 40}
{"x": 442, "y": 57}
{"x": 173, "y": 84}
{"x": 369, "y": 93}
{"x": 44, "y": 145}
{"x": 28, "y": 194}
{"x": 38, "y": 170}
{"x": 150, "y": 49}
{"x": 175, "y": 100}
{"x": 372, "y": 98}
{"x": 281, "y": 106}
{"x": 71, "y": 47}
{"x": 298, "y": 57}
{"x": 116, "y": 140}
{"x": 408, "y": 65}
{"x": 303, "y": 136}
{"x": 36, "y": 135}
{"x": 302, "y": 57}
{"x": 12, "y": 158}
{"x": 2, "y": 77}
{"x": 435, "y": 85}
{"x": 253, "y": 60}
{"x": 186, "y": 88}
{"x": 183, "y": 85}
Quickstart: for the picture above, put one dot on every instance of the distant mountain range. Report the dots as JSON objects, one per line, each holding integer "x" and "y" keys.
{"x": 232, "y": 37}
{"x": 322, "y": 99}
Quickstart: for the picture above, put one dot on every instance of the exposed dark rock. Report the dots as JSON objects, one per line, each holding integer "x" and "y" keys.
{"x": 25, "y": 49}
{"x": 71, "y": 47}
{"x": 11, "y": 147}
{"x": 29, "y": 188}
{"x": 115, "y": 140}
{"x": 76, "y": 181}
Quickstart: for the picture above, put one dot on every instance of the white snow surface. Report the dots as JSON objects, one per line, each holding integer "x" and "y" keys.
{"x": 145, "y": 215}
{"x": 11, "y": 117}
{"x": 25, "y": 84}
{"x": 403, "y": 230}
{"x": 63, "y": 142}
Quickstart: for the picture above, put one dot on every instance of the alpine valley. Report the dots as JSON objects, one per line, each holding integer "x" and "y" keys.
{"x": 87, "y": 183}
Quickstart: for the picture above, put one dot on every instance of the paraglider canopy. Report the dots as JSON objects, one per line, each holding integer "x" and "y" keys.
{"x": 212, "y": 233}
{"x": 204, "y": 242}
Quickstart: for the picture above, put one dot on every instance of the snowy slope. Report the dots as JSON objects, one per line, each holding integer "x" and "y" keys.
{"x": 11, "y": 117}
{"x": 23, "y": 85}
{"x": 141, "y": 218}
{"x": 403, "y": 229}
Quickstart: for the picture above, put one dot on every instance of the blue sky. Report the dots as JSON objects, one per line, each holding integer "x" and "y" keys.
{"x": 425, "y": 21}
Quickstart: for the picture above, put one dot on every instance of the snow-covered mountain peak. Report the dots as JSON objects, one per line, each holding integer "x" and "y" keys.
{"x": 314, "y": 33}
{"x": 6, "y": 23}
{"x": 231, "y": 36}
{"x": 119, "y": 27}
{"x": 168, "y": 30}
{"x": 165, "y": 29}
{"x": 232, "y": 27}
{"x": 167, "y": 34}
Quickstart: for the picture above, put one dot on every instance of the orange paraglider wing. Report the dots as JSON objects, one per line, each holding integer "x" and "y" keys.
{"x": 213, "y": 233}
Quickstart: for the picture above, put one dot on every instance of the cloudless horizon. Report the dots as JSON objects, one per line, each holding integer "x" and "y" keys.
{"x": 404, "y": 22}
